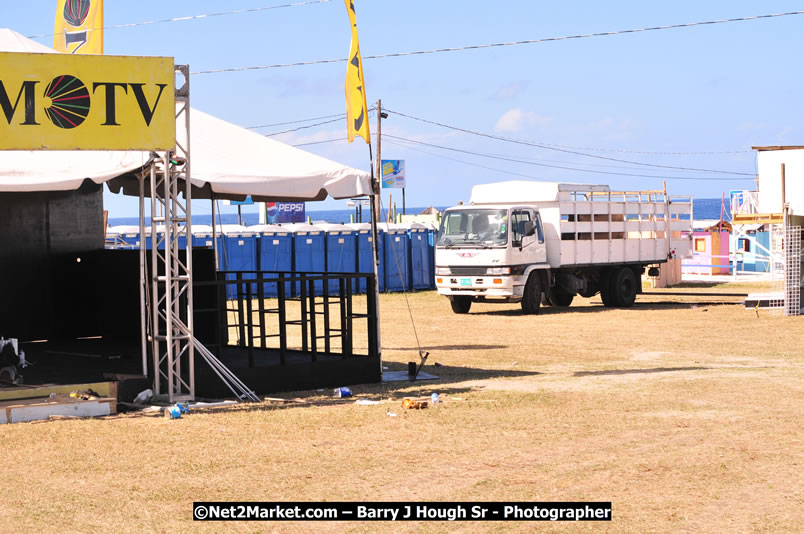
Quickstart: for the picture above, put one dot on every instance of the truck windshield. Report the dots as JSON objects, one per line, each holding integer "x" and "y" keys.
{"x": 474, "y": 227}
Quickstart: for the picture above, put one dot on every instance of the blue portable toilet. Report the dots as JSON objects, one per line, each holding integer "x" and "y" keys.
{"x": 365, "y": 254}
{"x": 396, "y": 256}
{"x": 202, "y": 237}
{"x": 183, "y": 240}
{"x": 160, "y": 230}
{"x": 238, "y": 253}
{"x": 112, "y": 238}
{"x": 126, "y": 236}
{"x": 274, "y": 254}
{"x": 341, "y": 245}
{"x": 148, "y": 239}
{"x": 420, "y": 274}
{"x": 309, "y": 252}
{"x": 432, "y": 237}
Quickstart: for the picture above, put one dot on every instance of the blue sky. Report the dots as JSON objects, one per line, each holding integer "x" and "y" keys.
{"x": 713, "y": 91}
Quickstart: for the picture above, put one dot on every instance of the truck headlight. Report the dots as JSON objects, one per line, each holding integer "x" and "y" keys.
{"x": 498, "y": 270}
{"x": 442, "y": 270}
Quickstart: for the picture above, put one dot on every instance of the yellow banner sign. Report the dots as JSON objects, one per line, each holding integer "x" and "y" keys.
{"x": 356, "y": 108}
{"x": 79, "y": 27}
{"x": 81, "y": 102}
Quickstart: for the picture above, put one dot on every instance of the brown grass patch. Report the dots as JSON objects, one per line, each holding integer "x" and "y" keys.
{"x": 685, "y": 412}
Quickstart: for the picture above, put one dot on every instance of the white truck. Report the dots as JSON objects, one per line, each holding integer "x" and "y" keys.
{"x": 545, "y": 242}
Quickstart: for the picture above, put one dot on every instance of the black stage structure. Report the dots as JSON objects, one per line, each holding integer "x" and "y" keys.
{"x": 132, "y": 315}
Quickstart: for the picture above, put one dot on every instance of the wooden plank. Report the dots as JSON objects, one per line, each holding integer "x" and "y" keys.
{"x": 104, "y": 389}
{"x": 39, "y": 409}
{"x": 776, "y": 147}
{"x": 757, "y": 218}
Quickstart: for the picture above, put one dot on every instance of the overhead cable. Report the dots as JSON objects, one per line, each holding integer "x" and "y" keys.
{"x": 195, "y": 17}
{"x": 653, "y": 152}
{"x": 511, "y": 43}
{"x": 321, "y": 142}
{"x": 548, "y": 147}
{"x": 469, "y": 163}
{"x": 339, "y": 115}
{"x": 305, "y": 126}
{"x": 514, "y": 160}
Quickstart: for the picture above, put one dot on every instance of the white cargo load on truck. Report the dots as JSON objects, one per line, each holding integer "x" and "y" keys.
{"x": 590, "y": 224}
{"x": 533, "y": 242}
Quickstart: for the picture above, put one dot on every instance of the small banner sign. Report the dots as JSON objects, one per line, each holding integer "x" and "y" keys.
{"x": 284, "y": 212}
{"x": 393, "y": 173}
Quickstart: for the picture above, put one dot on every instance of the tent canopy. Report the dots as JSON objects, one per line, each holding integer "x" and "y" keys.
{"x": 227, "y": 161}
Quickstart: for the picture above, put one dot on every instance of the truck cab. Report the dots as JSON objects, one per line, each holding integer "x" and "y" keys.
{"x": 488, "y": 251}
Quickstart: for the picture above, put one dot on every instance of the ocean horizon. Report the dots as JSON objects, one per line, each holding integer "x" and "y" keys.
{"x": 703, "y": 209}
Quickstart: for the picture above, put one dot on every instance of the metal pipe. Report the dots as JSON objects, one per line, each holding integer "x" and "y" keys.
{"x": 214, "y": 236}
{"x": 143, "y": 281}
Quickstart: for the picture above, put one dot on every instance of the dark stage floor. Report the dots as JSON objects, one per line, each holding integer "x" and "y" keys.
{"x": 97, "y": 360}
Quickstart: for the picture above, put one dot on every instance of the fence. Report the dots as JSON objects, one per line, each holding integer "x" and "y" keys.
{"x": 326, "y": 323}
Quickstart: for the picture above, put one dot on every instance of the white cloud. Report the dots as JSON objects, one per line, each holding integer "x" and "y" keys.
{"x": 515, "y": 120}
{"x": 511, "y": 90}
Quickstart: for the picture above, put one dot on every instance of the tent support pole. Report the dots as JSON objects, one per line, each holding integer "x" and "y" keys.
{"x": 214, "y": 236}
{"x": 143, "y": 281}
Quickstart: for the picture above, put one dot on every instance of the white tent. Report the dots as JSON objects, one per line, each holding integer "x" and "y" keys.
{"x": 227, "y": 161}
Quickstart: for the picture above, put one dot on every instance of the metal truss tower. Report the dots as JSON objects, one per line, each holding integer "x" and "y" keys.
{"x": 171, "y": 274}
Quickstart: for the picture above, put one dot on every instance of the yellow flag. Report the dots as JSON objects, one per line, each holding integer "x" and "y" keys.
{"x": 356, "y": 109}
{"x": 79, "y": 27}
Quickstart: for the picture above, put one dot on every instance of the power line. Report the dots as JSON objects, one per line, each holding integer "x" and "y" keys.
{"x": 305, "y": 126}
{"x": 511, "y": 43}
{"x": 337, "y": 118}
{"x": 653, "y": 152}
{"x": 548, "y": 147}
{"x": 578, "y": 163}
{"x": 469, "y": 163}
{"x": 321, "y": 142}
{"x": 195, "y": 17}
{"x": 339, "y": 115}
{"x": 514, "y": 160}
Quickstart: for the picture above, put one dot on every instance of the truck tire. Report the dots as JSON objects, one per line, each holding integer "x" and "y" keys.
{"x": 561, "y": 300}
{"x": 532, "y": 297}
{"x": 606, "y": 293}
{"x": 624, "y": 287}
{"x": 460, "y": 303}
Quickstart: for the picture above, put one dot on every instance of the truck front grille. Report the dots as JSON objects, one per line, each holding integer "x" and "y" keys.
{"x": 467, "y": 271}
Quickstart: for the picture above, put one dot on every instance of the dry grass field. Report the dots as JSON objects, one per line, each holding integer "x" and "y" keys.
{"x": 687, "y": 413}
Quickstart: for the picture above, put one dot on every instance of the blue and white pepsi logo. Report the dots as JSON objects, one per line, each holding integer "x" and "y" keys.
{"x": 291, "y": 206}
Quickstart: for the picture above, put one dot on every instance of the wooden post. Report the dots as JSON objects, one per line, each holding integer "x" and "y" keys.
{"x": 784, "y": 198}
{"x": 375, "y": 215}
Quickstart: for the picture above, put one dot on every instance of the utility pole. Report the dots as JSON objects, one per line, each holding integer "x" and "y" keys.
{"x": 375, "y": 215}
{"x": 378, "y": 173}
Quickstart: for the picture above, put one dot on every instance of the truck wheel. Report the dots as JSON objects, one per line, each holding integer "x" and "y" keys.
{"x": 606, "y": 293}
{"x": 624, "y": 287}
{"x": 532, "y": 297}
{"x": 460, "y": 303}
{"x": 561, "y": 300}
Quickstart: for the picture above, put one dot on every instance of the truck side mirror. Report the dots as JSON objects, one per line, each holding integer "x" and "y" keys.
{"x": 529, "y": 228}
